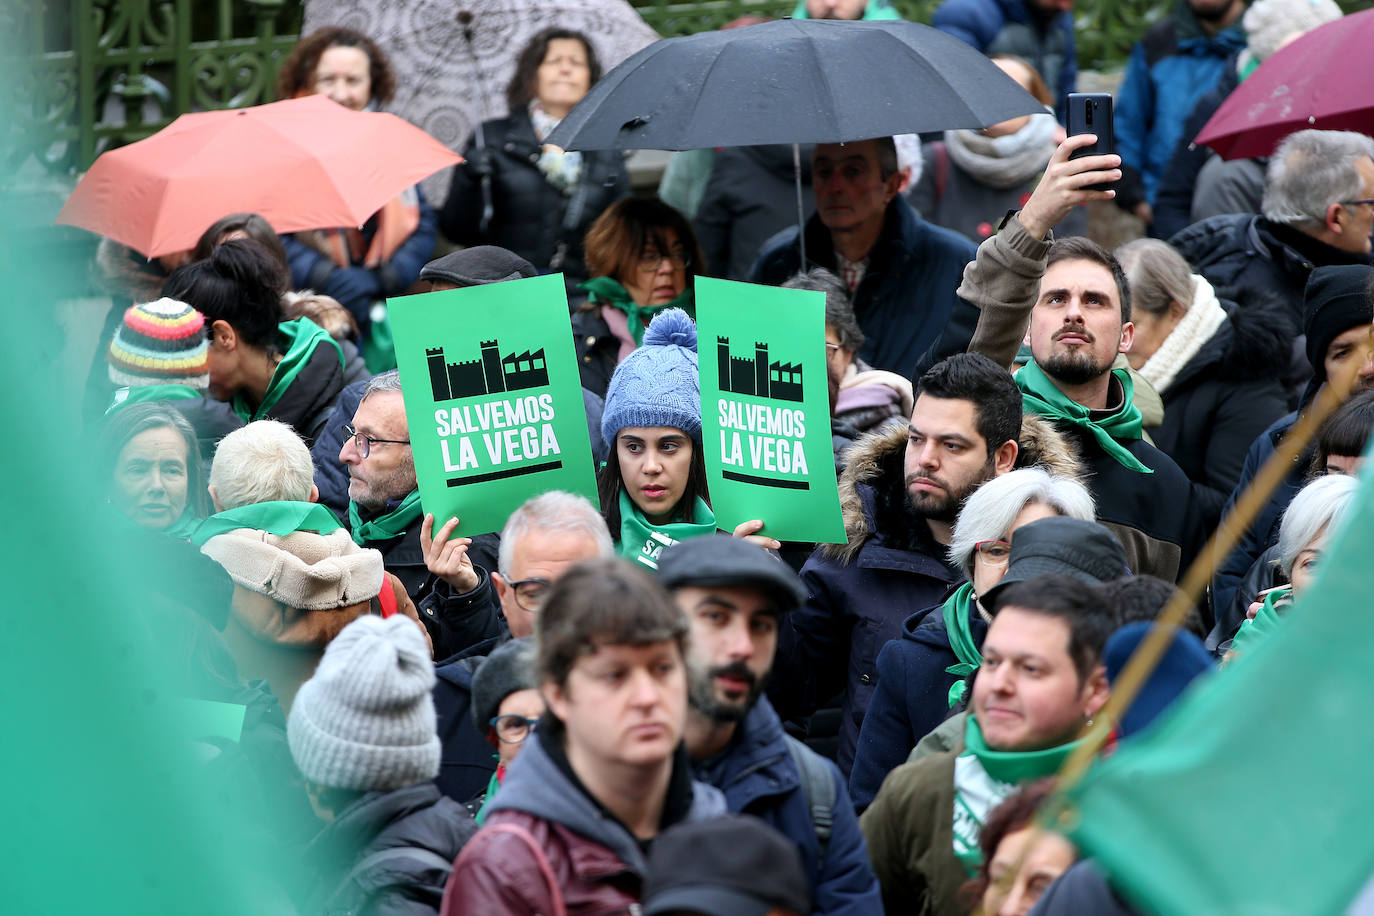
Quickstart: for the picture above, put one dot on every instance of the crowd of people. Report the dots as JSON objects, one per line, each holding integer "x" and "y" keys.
{"x": 614, "y": 707}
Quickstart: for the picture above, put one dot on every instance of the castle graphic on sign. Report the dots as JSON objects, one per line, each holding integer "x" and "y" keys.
{"x": 757, "y": 376}
{"x": 490, "y": 374}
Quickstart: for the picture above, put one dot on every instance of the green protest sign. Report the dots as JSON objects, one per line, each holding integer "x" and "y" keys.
{"x": 765, "y": 409}
{"x": 493, "y": 397}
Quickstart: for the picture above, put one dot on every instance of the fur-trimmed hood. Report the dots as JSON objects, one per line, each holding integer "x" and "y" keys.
{"x": 872, "y": 482}
{"x": 125, "y": 274}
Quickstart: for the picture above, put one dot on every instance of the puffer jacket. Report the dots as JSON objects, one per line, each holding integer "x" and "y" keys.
{"x": 1010, "y": 27}
{"x": 357, "y": 874}
{"x": 1169, "y": 69}
{"x": 1224, "y": 397}
{"x": 530, "y": 216}
{"x": 912, "y": 694}
{"x": 292, "y": 595}
{"x": 859, "y": 592}
{"x": 596, "y": 863}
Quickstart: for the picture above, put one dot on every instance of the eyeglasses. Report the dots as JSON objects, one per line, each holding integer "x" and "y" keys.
{"x": 530, "y": 593}
{"x": 1356, "y": 203}
{"x": 993, "y": 553}
{"x": 511, "y": 728}
{"x": 364, "y": 442}
{"x": 650, "y": 258}
{"x": 831, "y": 348}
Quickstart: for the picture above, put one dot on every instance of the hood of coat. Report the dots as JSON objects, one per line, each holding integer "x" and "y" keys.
{"x": 1252, "y": 344}
{"x": 871, "y": 488}
{"x": 125, "y": 273}
{"x": 537, "y": 786}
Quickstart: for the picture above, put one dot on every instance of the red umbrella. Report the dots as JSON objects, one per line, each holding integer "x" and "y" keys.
{"x": 301, "y": 164}
{"x": 1325, "y": 79}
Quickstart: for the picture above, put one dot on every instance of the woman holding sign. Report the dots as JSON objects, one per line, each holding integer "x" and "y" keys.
{"x": 653, "y": 485}
{"x": 642, "y": 256}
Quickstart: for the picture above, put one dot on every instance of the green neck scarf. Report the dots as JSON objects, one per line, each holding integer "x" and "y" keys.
{"x": 609, "y": 291}
{"x": 1039, "y": 396}
{"x": 384, "y": 527}
{"x": 279, "y": 517}
{"x": 184, "y": 527}
{"x": 139, "y": 394}
{"x": 641, "y": 541}
{"x": 298, "y": 338}
{"x": 1014, "y": 766}
{"x": 957, "y": 609}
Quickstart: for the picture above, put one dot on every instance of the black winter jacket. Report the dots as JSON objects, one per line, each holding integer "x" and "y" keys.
{"x": 530, "y": 216}
{"x": 415, "y": 818}
{"x": 468, "y": 759}
{"x": 750, "y": 197}
{"x": 1224, "y": 397}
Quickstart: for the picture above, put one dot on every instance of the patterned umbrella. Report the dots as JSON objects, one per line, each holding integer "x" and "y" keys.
{"x": 446, "y": 90}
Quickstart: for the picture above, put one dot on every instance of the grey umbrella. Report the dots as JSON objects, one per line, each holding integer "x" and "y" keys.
{"x": 792, "y": 81}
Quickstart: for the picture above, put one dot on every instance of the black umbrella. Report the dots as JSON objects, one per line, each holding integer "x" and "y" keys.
{"x": 790, "y": 81}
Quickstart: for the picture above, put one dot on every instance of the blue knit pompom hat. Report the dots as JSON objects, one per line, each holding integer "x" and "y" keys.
{"x": 657, "y": 384}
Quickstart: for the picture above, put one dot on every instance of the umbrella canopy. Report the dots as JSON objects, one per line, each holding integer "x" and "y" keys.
{"x": 1325, "y": 79}
{"x": 301, "y": 164}
{"x": 448, "y": 86}
{"x": 808, "y": 81}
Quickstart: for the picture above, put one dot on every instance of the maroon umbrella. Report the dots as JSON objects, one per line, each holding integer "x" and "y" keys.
{"x": 1325, "y": 79}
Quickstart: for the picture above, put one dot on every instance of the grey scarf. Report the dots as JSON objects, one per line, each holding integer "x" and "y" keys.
{"x": 1004, "y": 162}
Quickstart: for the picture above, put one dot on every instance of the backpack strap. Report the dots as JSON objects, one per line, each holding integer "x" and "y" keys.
{"x": 387, "y": 598}
{"x": 540, "y": 859}
{"x": 818, "y": 785}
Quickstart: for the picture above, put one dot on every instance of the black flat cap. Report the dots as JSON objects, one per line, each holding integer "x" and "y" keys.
{"x": 732, "y": 865}
{"x": 1064, "y": 546}
{"x": 722, "y": 560}
{"x": 477, "y": 266}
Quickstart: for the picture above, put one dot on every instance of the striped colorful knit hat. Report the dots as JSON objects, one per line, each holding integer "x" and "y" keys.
{"x": 161, "y": 343}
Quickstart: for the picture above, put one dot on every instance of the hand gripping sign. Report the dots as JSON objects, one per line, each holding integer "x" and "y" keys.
{"x": 492, "y": 393}
{"x": 765, "y": 410}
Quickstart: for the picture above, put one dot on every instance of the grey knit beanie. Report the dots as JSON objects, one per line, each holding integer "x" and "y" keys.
{"x": 365, "y": 720}
{"x": 657, "y": 384}
{"x": 508, "y": 669}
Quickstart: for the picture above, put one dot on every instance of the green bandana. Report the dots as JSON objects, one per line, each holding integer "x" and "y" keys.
{"x": 384, "y": 527}
{"x": 609, "y": 291}
{"x": 1039, "y": 396}
{"x": 957, "y": 609}
{"x": 1266, "y": 620}
{"x": 279, "y": 517}
{"x": 298, "y": 338}
{"x": 983, "y": 778}
{"x": 140, "y": 394}
{"x": 642, "y": 541}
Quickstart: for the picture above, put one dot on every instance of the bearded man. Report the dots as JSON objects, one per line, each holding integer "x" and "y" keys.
{"x": 900, "y": 495}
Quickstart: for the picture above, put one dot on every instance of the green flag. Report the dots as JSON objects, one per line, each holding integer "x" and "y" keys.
{"x": 765, "y": 410}
{"x": 494, "y": 398}
{"x": 1252, "y": 794}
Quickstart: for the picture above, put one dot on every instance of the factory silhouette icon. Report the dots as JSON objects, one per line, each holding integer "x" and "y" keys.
{"x": 757, "y": 376}
{"x": 491, "y": 373}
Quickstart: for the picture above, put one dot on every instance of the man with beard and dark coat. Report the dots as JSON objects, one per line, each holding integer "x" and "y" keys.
{"x": 1318, "y": 211}
{"x": 900, "y": 496}
{"x": 1073, "y": 296}
{"x": 734, "y": 596}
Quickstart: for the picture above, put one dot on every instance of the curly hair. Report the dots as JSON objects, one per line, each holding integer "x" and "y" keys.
{"x": 298, "y": 70}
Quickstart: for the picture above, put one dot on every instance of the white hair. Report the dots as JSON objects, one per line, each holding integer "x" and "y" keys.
{"x": 260, "y": 462}
{"x": 989, "y": 512}
{"x": 1310, "y": 171}
{"x": 387, "y": 381}
{"x": 1318, "y": 507}
{"x": 909, "y": 155}
{"x": 555, "y": 510}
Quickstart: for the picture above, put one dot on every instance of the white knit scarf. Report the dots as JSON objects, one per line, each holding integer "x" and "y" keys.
{"x": 1004, "y": 162}
{"x": 1196, "y": 327}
